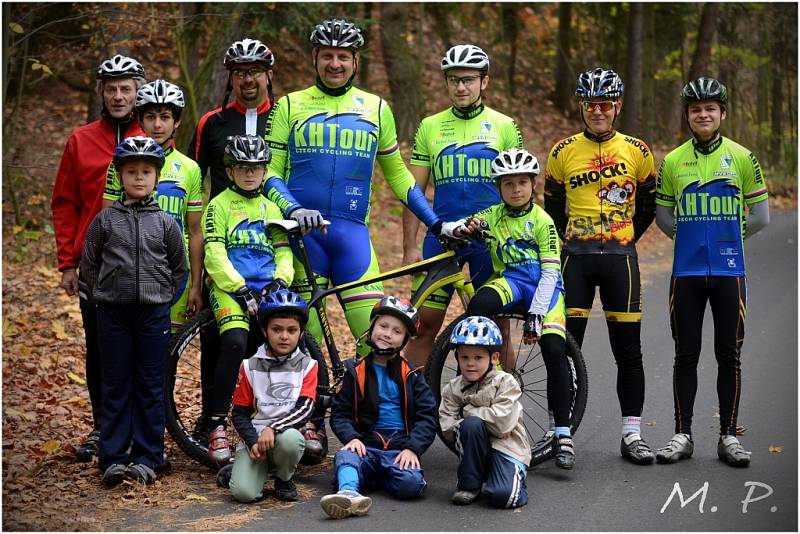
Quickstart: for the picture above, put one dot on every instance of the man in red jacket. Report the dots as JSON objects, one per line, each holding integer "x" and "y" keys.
{"x": 77, "y": 198}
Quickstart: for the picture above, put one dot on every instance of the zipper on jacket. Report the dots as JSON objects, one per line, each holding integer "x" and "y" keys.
{"x": 138, "y": 239}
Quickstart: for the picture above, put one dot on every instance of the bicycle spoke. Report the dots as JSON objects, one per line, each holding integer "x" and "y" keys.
{"x": 536, "y": 401}
{"x": 535, "y": 422}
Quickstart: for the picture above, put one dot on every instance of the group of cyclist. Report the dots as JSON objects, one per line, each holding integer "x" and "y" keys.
{"x": 309, "y": 157}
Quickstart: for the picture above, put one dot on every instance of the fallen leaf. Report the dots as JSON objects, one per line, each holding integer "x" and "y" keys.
{"x": 193, "y": 497}
{"x": 776, "y": 448}
{"x": 50, "y": 446}
{"x": 76, "y": 379}
{"x": 58, "y": 330}
{"x": 651, "y": 423}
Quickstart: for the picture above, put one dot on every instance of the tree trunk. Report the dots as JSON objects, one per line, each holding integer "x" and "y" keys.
{"x": 564, "y": 71}
{"x": 441, "y": 14}
{"x": 649, "y": 66}
{"x": 365, "y": 59}
{"x": 633, "y": 77}
{"x": 705, "y": 37}
{"x": 779, "y": 52}
{"x": 510, "y": 32}
{"x": 403, "y": 74}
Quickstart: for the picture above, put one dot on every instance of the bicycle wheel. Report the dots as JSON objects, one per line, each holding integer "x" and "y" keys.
{"x": 183, "y": 390}
{"x": 531, "y": 375}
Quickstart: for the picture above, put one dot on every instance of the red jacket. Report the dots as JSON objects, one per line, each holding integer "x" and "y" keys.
{"x": 78, "y": 191}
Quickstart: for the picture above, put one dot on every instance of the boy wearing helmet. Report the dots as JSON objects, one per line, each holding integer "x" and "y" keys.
{"x": 454, "y": 150}
{"x": 525, "y": 255}
{"x": 133, "y": 261}
{"x": 481, "y": 412}
{"x": 274, "y": 398}
{"x": 159, "y": 105}
{"x": 76, "y": 201}
{"x": 384, "y": 414}
{"x": 608, "y": 179}
{"x": 245, "y": 259}
{"x": 703, "y": 186}
{"x": 326, "y": 140}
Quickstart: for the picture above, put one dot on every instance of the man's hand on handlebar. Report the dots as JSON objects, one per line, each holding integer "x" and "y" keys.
{"x": 308, "y": 220}
{"x": 248, "y": 300}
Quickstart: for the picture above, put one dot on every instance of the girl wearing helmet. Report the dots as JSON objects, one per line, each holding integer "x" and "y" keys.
{"x": 159, "y": 105}
{"x": 244, "y": 259}
{"x": 526, "y": 257}
{"x": 133, "y": 263}
{"x": 385, "y": 415}
{"x": 481, "y": 411}
{"x": 273, "y": 400}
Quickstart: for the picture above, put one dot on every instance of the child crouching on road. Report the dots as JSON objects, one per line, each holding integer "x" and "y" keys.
{"x": 385, "y": 414}
{"x": 134, "y": 260}
{"x": 274, "y": 397}
{"x": 481, "y": 412}
{"x": 527, "y": 263}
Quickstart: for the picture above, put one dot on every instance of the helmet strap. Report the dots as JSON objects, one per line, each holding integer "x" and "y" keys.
{"x": 519, "y": 212}
{"x": 390, "y": 351}
{"x": 247, "y": 194}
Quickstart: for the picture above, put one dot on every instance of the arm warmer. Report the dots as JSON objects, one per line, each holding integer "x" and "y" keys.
{"x": 645, "y": 208}
{"x": 544, "y": 292}
{"x": 757, "y": 218}
{"x": 665, "y": 220}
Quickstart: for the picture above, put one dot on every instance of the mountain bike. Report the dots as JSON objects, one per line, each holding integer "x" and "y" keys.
{"x": 184, "y": 395}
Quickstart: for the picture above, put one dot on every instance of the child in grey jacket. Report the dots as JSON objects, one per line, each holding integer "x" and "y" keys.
{"x": 134, "y": 260}
{"x": 481, "y": 412}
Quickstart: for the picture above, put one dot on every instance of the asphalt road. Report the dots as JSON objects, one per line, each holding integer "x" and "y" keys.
{"x": 604, "y": 492}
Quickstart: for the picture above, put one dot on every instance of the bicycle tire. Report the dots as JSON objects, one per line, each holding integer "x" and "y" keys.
{"x": 534, "y": 398}
{"x": 183, "y": 392}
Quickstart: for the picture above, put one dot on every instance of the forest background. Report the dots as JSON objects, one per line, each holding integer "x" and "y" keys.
{"x": 50, "y": 55}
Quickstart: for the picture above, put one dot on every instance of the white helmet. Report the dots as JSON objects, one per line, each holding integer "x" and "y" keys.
{"x": 161, "y": 92}
{"x": 466, "y": 56}
{"x": 514, "y": 161}
{"x": 120, "y": 66}
{"x": 248, "y": 51}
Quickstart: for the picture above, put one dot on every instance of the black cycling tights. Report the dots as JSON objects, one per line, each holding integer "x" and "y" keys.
{"x": 627, "y": 349}
{"x": 234, "y": 348}
{"x": 486, "y": 302}
{"x": 688, "y": 297}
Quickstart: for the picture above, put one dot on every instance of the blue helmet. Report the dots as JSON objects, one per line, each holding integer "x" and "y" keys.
{"x": 145, "y": 148}
{"x": 283, "y": 301}
{"x": 479, "y": 331}
{"x": 600, "y": 83}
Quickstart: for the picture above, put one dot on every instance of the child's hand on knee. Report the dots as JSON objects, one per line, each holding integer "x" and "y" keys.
{"x": 357, "y": 446}
{"x": 407, "y": 459}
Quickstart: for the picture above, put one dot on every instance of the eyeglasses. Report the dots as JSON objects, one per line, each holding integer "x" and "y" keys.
{"x": 255, "y": 72}
{"x": 605, "y": 106}
{"x": 247, "y": 169}
{"x": 453, "y": 81}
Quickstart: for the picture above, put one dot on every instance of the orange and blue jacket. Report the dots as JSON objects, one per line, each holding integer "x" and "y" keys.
{"x": 355, "y": 407}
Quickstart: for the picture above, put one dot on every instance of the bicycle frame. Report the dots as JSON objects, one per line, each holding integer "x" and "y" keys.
{"x": 442, "y": 269}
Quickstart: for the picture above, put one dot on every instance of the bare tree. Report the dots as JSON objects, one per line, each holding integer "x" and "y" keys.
{"x": 564, "y": 71}
{"x": 633, "y": 76}
{"x": 404, "y": 75}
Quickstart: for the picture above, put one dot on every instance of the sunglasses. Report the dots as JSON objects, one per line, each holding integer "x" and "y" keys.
{"x": 605, "y": 107}
{"x": 453, "y": 81}
{"x": 255, "y": 72}
{"x": 247, "y": 169}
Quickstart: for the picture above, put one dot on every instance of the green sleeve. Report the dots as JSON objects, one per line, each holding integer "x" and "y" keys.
{"x": 665, "y": 192}
{"x": 515, "y": 136}
{"x": 216, "y": 261}
{"x": 194, "y": 190}
{"x": 276, "y": 136}
{"x": 753, "y": 187}
{"x": 419, "y": 154}
{"x": 548, "y": 241}
{"x": 113, "y": 190}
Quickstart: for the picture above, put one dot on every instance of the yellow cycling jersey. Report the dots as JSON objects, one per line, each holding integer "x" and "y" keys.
{"x": 599, "y": 178}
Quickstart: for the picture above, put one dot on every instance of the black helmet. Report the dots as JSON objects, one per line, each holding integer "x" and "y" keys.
{"x": 337, "y": 33}
{"x": 139, "y": 147}
{"x": 398, "y": 307}
{"x": 161, "y": 93}
{"x": 283, "y": 301}
{"x": 120, "y": 66}
{"x": 246, "y": 149}
{"x": 248, "y": 51}
{"x": 704, "y": 88}
{"x": 600, "y": 83}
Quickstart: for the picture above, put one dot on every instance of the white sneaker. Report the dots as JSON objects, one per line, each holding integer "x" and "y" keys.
{"x": 345, "y": 503}
{"x": 731, "y": 452}
{"x": 678, "y": 448}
